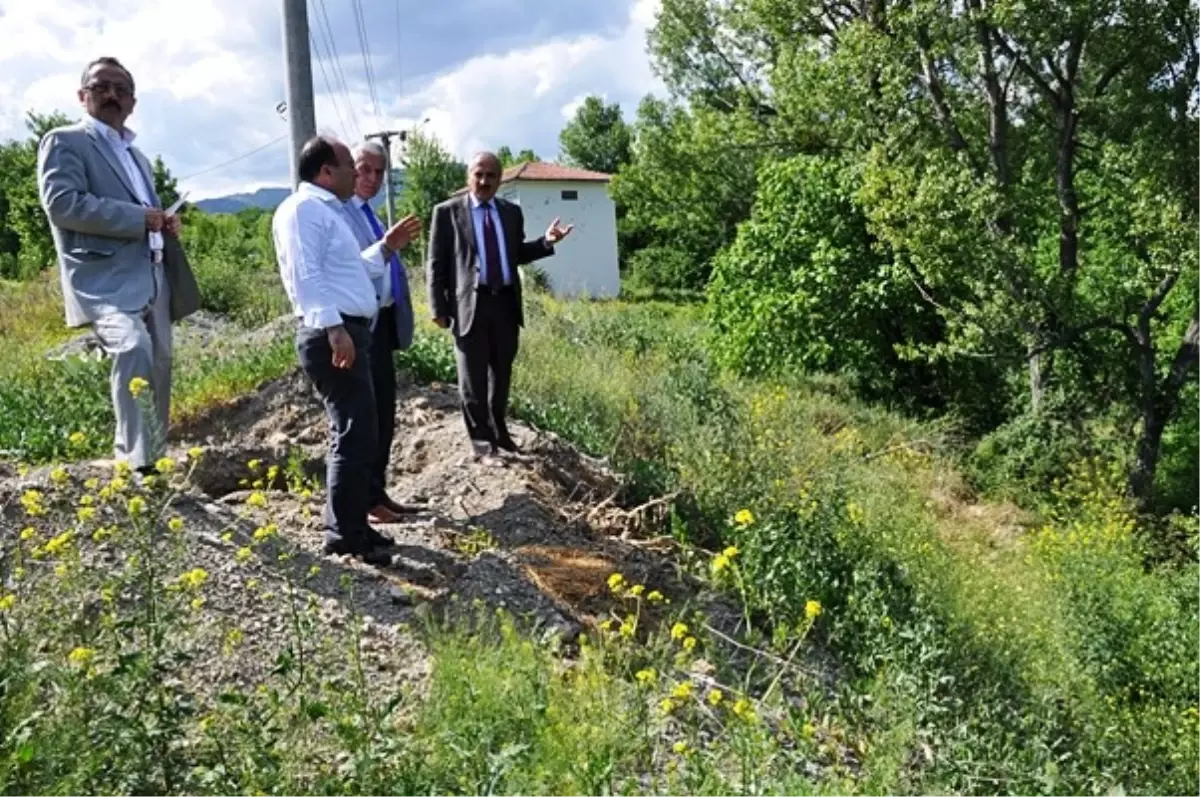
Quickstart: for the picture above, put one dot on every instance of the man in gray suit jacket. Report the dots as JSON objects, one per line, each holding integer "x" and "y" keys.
{"x": 392, "y": 328}
{"x": 476, "y": 243}
{"x": 108, "y": 226}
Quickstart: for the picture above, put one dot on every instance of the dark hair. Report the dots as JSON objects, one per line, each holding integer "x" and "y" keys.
{"x": 317, "y": 152}
{"x": 105, "y": 60}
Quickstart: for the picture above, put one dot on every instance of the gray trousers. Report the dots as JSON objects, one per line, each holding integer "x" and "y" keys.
{"x": 485, "y": 358}
{"x": 140, "y": 345}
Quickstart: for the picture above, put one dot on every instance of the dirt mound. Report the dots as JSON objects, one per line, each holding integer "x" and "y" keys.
{"x": 538, "y": 536}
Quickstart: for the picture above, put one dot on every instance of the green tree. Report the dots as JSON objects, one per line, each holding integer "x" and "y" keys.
{"x": 165, "y": 184}
{"x": 688, "y": 184}
{"x": 431, "y": 175}
{"x": 507, "y": 158}
{"x": 597, "y": 137}
{"x": 24, "y": 219}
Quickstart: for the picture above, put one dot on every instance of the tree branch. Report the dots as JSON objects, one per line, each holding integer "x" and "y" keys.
{"x": 1185, "y": 359}
{"x": 1109, "y": 75}
{"x": 933, "y": 86}
{"x": 1028, "y": 70}
{"x": 1155, "y": 301}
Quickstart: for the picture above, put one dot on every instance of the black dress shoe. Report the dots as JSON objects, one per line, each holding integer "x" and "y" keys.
{"x": 379, "y": 540}
{"x": 370, "y": 555}
{"x": 509, "y": 445}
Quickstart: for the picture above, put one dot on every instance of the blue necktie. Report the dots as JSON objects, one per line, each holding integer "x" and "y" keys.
{"x": 398, "y": 287}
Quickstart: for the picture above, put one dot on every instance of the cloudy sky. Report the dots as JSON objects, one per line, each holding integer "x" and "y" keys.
{"x": 210, "y": 72}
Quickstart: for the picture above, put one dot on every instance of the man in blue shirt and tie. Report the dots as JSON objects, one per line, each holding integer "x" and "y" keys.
{"x": 393, "y": 329}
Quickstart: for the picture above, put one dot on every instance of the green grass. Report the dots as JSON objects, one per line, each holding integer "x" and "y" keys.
{"x": 972, "y": 659}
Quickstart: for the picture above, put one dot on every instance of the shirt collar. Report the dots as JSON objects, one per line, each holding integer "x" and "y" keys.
{"x": 126, "y": 136}
{"x": 358, "y": 201}
{"x": 475, "y": 203}
{"x": 317, "y": 192}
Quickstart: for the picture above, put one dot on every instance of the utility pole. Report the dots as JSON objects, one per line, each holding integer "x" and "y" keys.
{"x": 302, "y": 115}
{"x": 385, "y": 137}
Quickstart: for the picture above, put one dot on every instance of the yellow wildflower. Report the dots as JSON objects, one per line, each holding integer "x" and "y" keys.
{"x": 175, "y": 523}
{"x": 855, "y": 513}
{"x": 243, "y": 554}
{"x": 682, "y": 690}
{"x": 197, "y": 604}
{"x": 812, "y": 609}
{"x": 627, "y": 628}
{"x": 137, "y": 505}
{"x": 195, "y": 452}
{"x": 59, "y": 475}
{"x": 137, "y": 385}
{"x": 7, "y": 602}
{"x": 60, "y": 543}
{"x": 101, "y": 534}
{"x": 122, "y": 469}
{"x": 227, "y": 536}
{"x": 647, "y": 676}
{"x": 719, "y": 563}
{"x": 28, "y": 533}
{"x": 730, "y": 552}
{"x": 253, "y": 465}
{"x": 314, "y": 571}
{"x": 743, "y": 709}
{"x": 86, "y": 500}
{"x": 605, "y": 625}
{"x": 615, "y": 582}
{"x": 679, "y": 631}
{"x": 666, "y": 705}
{"x": 118, "y": 484}
{"x": 165, "y": 465}
{"x": 61, "y": 569}
{"x": 715, "y": 697}
{"x": 637, "y": 589}
{"x": 81, "y": 657}
{"x": 31, "y": 500}
{"x": 252, "y": 584}
{"x": 234, "y": 637}
{"x": 808, "y": 731}
{"x": 689, "y": 643}
{"x": 265, "y": 532}
{"x": 86, "y": 513}
{"x": 680, "y": 747}
{"x": 91, "y": 484}
{"x": 77, "y": 438}
{"x": 744, "y": 517}
{"x": 272, "y": 473}
{"x": 655, "y": 596}
{"x": 149, "y": 482}
{"x": 194, "y": 578}
{"x": 257, "y": 499}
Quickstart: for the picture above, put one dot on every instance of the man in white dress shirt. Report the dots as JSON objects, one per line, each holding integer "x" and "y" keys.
{"x": 329, "y": 283}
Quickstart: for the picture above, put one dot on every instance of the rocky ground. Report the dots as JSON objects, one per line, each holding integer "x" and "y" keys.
{"x": 538, "y": 537}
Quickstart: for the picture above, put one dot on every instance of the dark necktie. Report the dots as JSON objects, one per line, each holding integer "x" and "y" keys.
{"x": 393, "y": 262}
{"x": 491, "y": 246}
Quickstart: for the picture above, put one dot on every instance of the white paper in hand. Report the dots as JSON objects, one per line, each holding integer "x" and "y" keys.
{"x": 171, "y": 211}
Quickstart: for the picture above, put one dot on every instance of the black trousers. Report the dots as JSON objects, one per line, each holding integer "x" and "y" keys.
{"x": 383, "y": 377}
{"x": 485, "y": 358}
{"x": 349, "y": 398}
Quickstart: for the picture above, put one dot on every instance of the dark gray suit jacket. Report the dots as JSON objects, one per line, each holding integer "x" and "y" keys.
{"x": 453, "y": 263}
{"x": 99, "y": 229}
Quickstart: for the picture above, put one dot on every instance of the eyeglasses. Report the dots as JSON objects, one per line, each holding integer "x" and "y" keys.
{"x": 104, "y": 87}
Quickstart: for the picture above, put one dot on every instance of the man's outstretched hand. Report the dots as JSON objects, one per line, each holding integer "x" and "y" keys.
{"x": 402, "y": 233}
{"x": 554, "y": 233}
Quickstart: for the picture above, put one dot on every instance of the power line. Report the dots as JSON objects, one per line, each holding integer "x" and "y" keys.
{"x": 336, "y": 65}
{"x": 366, "y": 54}
{"x": 243, "y": 156}
{"x": 325, "y": 77}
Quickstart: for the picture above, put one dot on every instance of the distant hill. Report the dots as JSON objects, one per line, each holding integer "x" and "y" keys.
{"x": 269, "y": 198}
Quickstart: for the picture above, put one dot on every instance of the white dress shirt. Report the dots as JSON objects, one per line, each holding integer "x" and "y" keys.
{"x": 120, "y": 144}
{"x": 355, "y": 207}
{"x": 324, "y": 272}
{"x": 477, "y": 212}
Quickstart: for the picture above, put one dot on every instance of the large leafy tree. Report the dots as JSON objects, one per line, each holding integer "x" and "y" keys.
{"x": 431, "y": 175}
{"x": 1031, "y": 168}
{"x": 25, "y": 233}
{"x": 597, "y": 137}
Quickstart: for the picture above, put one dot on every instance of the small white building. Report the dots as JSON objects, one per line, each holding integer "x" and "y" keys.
{"x": 585, "y": 264}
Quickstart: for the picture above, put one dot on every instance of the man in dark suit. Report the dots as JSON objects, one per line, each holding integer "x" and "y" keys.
{"x": 392, "y": 328}
{"x": 476, "y": 243}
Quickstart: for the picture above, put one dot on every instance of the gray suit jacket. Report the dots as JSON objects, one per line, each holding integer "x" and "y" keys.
{"x": 366, "y": 238}
{"x": 453, "y": 264}
{"x": 99, "y": 229}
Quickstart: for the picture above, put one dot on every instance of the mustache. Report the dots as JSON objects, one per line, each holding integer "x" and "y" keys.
{"x": 116, "y": 106}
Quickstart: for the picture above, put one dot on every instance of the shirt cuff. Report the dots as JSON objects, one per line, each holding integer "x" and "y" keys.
{"x": 322, "y": 318}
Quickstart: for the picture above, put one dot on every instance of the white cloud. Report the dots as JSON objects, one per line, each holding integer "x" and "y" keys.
{"x": 209, "y": 77}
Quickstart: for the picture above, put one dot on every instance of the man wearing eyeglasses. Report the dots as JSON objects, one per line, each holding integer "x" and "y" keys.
{"x": 123, "y": 272}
